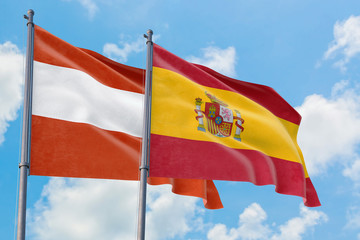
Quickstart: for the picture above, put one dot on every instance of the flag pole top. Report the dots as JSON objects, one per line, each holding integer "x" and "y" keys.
{"x": 31, "y": 12}
{"x": 149, "y": 35}
{"x": 29, "y": 17}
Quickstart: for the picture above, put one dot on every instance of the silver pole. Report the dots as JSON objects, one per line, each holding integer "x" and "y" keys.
{"x": 144, "y": 167}
{"x": 26, "y": 131}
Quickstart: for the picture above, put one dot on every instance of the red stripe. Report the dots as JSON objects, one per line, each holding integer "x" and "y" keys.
{"x": 263, "y": 95}
{"x": 53, "y": 50}
{"x": 193, "y": 187}
{"x": 311, "y": 199}
{"x": 209, "y": 160}
{"x": 68, "y": 149}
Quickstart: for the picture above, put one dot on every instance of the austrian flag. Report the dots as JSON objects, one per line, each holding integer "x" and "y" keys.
{"x": 87, "y": 118}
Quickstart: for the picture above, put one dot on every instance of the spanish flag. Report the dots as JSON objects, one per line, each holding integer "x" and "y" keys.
{"x": 208, "y": 126}
{"x": 87, "y": 118}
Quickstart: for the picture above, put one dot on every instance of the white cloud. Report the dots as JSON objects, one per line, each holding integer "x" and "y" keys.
{"x": 107, "y": 209}
{"x": 346, "y": 41}
{"x": 252, "y": 226}
{"x": 11, "y": 82}
{"x": 330, "y": 128}
{"x": 353, "y": 172}
{"x": 170, "y": 215}
{"x": 353, "y": 218}
{"x": 121, "y": 54}
{"x": 298, "y": 226}
{"x": 89, "y": 5}
{"x": 85, "y": 209}
{"x": 221, "y": 60}
{"x": 220, "y": 232}
{"x": 251, "y": 223}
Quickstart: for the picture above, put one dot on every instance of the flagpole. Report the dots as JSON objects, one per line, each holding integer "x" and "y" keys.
{"x": 144, "y": 167}
{"x": 26, "y": 130}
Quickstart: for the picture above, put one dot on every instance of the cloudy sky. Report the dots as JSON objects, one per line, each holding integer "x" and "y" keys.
{"x": 308, "y": 52}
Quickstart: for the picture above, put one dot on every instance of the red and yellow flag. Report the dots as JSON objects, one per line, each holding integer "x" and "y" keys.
{"x": 87, "y": 118}
{"x": 207, "y": 126}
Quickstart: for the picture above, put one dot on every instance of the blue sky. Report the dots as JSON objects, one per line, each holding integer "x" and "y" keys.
{"x": 307, "y": 51}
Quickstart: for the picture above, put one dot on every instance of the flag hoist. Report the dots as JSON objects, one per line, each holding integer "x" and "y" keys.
{"x": 26, "y": 129}
{"x": 144, "y": 167}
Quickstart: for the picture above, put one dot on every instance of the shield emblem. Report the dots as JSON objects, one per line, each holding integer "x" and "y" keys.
{"x": 219, "y": 118}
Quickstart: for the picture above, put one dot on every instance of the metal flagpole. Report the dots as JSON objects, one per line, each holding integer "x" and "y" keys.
{"x": 26, "y": 131}
{"x": 144, "y": 167}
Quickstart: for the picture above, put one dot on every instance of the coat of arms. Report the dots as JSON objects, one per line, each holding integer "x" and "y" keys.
{"x": 219, "y": 118}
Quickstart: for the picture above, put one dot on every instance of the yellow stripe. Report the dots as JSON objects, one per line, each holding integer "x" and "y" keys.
{"x": 173, "y": 115}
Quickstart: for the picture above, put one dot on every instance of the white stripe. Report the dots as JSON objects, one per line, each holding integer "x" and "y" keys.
{"x": 72, "y": 95}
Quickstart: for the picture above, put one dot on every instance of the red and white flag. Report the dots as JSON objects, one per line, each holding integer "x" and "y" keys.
{"x": 87, "y": 118}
